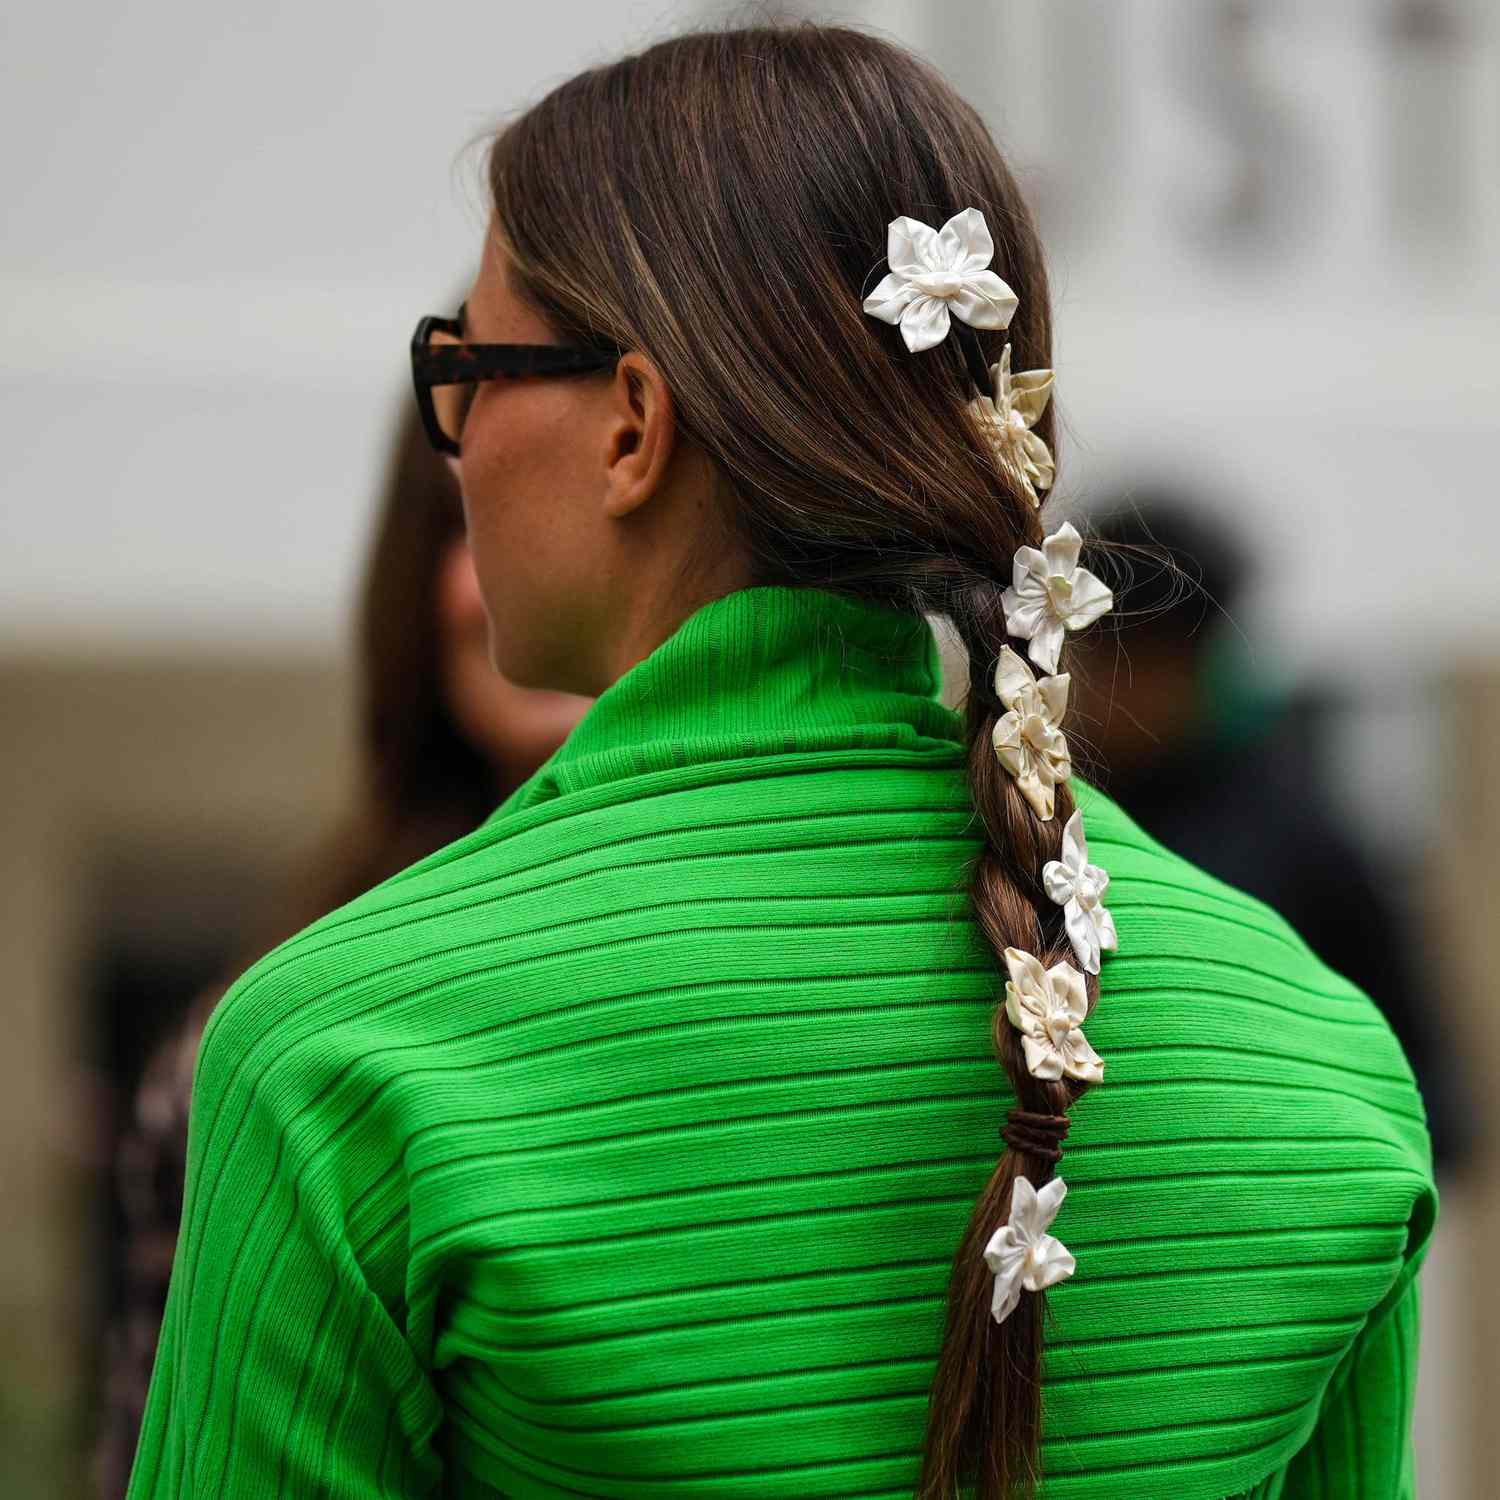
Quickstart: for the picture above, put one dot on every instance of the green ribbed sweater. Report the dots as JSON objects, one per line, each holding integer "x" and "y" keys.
{"x": 620, "y": 1147}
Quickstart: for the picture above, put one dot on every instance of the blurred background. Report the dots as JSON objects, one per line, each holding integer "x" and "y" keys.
{"x": 225, "y": 625}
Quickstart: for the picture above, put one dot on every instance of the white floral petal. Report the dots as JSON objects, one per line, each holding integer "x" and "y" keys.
{"x": 911, "y": 247}
{"x": 1058, "y": 880}
{"x": 1053, "y": 692}
{"x": 1028, "y": 570}
{"x": 1030, "y": 391}
{"x": 1042, "y": 1059}
{"x": 1026, "y": 970}
{"x": 984, "y": 301}
{"x": 1000, "y": 378}
{"x": 1046, "y": 642}
{"x": 1075, "y": 848}
{"x": 1006, "y": 735}
{"x": 1024, "y": 1205}
{"x": 924, "y": 322}
{"x": 1012, "y": 677}
{"x": 1005, "y": 1255}
{"x": 969, "y": 235}
{"x": 1000, "y": 1249}
{"x": 1007, "y": 1296}
{"x": 1058, "y": 761}
{"x": 1082, "y": 935}
{"x": 1048, "y": 1201}
{"x": 1020, "y": 1015}
{"x": 888, "y": 301}
{"x": 1091, "y": 598}
{"x": 1024, "y": 612}
{"x": 1050, "y": 1262}
{"x": 1081, "y": 1061}
{"x": 1061, "y": 549}
{"x": 1038, "y": 791}
{"x": 1041, "y": 470}
{"x": 1009, "y": 749}
{"x": 1067, "y": 984}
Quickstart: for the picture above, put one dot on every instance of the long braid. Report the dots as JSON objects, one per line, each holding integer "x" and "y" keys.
{"x": 992, "y": 1421}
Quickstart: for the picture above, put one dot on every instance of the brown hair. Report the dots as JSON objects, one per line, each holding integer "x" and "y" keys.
{"x": 720, "y": 201}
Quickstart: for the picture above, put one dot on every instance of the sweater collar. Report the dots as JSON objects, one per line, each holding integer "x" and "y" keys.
{"x": 772, "y": 669}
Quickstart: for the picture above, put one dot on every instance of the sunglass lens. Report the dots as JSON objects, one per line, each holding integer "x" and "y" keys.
{"x": 450, "y": 402}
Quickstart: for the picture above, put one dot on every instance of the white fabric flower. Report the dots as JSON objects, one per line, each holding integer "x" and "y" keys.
{"x": 1078, "y": 887}
{"x": 1018, "y": 403}
{"x": 935, "y": 272}
{"x": 1047, "y": 1007}
{"x": 1021, "y": 1253}
{"x": 1026, "y": 739}
{"x": 1050, "y": 593}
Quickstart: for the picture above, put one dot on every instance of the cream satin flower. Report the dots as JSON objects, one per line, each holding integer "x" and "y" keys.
{"x": 1021, "y": 1253}
{"x": 1018, "y": 403}
{"x": 1050, "y": 594}
{"x": 1047, "y": 1007}
{"x": 1026, "y": 739}
{"x": 1078, "y": 887}
{"x": 935, "y": 272}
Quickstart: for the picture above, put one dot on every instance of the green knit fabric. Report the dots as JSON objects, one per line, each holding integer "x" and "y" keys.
{"x": 620, "y": 1148}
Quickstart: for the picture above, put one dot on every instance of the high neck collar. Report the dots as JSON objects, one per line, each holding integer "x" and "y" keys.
{"x": 766, "y": 670}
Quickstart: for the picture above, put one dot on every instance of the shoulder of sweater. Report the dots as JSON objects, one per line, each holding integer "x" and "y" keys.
{"x": 1210, "y": 981}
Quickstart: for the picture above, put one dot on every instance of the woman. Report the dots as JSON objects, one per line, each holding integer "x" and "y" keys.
{"x": 642, "y": 1141}
{"x": 442, "y": 740}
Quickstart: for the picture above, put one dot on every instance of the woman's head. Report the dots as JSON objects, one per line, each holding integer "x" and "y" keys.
{"x": 717, "y": 206}
{"x": 584, "y": 506}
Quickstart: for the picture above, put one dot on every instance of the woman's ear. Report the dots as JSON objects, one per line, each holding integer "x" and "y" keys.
{"x": 641, "y": 434}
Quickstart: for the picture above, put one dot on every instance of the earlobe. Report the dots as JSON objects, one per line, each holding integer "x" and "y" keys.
{"x": 643, "y": 436}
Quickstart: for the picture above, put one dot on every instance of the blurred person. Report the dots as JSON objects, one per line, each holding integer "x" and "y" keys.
{"x": 644, "y": 1138}
{"x": 1231, "y": 771}
{"x": 443, "y": 739}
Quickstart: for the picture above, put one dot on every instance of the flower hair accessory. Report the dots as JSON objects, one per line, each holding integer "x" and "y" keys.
{"x": 935, "y": 273}
{"x": 1026, "y": 738}
{"x": 1047, "y": 1007}
{"x": 1021, "y": 1253}
{"x": 1050, "y": 594}
{"x": 1009, "y": 416}
{"x": 1078, "y": 887}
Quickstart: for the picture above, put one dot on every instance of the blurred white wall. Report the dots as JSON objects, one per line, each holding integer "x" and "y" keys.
{"x": 1274, "y": 231}
{"x": 220, "y": 227}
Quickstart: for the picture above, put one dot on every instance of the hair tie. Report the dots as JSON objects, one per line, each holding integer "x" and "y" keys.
{"x": 1035, "y": 1134}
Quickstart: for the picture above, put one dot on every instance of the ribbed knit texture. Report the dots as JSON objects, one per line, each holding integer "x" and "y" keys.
{"x": 621, "y": 1147}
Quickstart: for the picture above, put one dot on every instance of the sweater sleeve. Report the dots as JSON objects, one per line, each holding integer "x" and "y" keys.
{"x": 1361, "y": 1448}
{"x": 279, "y": 1371}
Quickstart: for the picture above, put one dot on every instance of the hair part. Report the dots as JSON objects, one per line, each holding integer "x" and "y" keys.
{"x": 720, "y": 200}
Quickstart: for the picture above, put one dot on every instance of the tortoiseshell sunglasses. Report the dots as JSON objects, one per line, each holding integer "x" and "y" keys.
{"x": 445, "y": 371}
